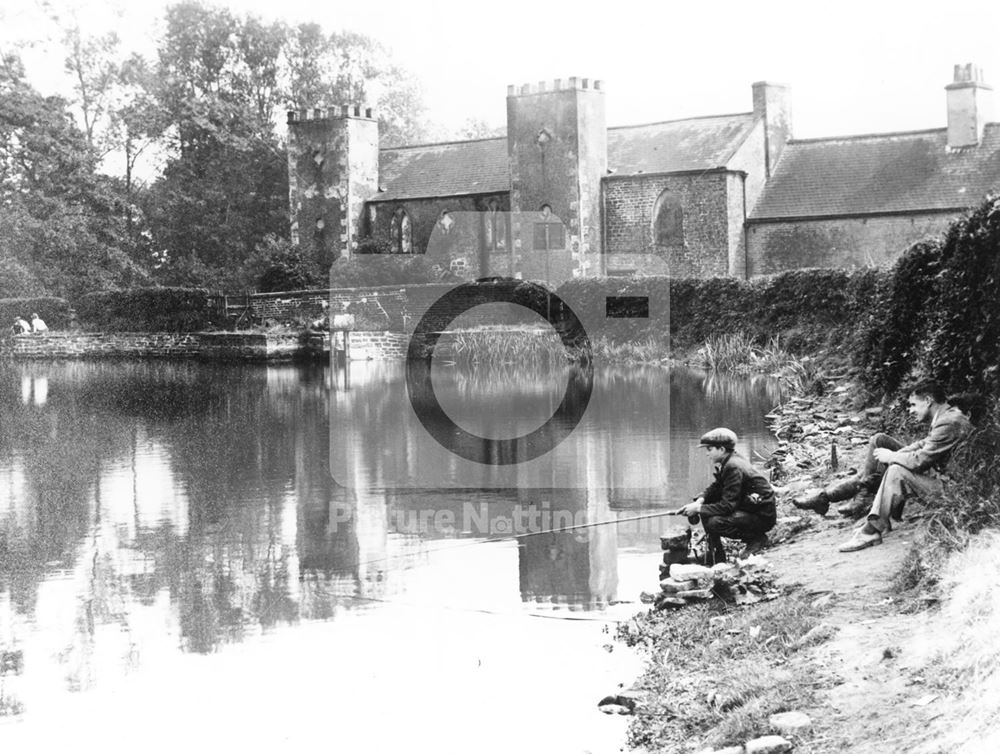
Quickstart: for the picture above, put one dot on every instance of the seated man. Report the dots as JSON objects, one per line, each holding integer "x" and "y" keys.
{"x": 739, "y": 504}
{"x": 38, "y": 324}
{"x": 910, "y": 470}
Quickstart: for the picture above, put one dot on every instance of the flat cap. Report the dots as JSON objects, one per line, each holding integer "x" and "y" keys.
{"x": 720, "y": 436}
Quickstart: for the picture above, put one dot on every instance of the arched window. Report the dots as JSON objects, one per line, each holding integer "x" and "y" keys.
{"x": 494, "y": 227}
{"x": 549, "y": 231}
{"x": 401, "y": 234}
{"x": 668, "y": 221}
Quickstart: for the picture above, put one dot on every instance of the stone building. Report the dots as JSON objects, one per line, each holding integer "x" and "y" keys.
{"x": 562, "y": 195}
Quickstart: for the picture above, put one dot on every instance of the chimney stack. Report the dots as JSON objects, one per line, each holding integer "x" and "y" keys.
{"x": 969, "y": 100}
{"x": 772, "y": 104}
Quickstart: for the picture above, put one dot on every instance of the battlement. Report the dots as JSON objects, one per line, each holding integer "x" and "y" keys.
{"x": 558, "y": 85}
{"x": 329, "y": 113}
{"x": 967, "y": 75}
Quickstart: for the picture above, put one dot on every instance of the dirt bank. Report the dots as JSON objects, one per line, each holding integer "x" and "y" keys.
{"x": 855, "y": 656}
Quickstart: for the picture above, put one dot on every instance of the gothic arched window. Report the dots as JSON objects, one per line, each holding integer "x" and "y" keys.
{"x": 668, "y": 221}
{"x": 494, "y": 227}
{"x": 401, "y": 233}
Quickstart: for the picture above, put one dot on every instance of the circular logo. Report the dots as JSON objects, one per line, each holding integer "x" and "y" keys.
{"x": 468, "y": 445}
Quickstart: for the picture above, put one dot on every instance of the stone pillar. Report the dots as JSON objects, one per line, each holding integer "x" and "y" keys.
{"x": 332, "y": 172}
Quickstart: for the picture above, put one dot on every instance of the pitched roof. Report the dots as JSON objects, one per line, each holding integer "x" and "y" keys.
{"x": 480, "y": 166}
{"x": 677, "y": 145}
{"x": 900, "y": 172}
{"x": 462, "y": 167}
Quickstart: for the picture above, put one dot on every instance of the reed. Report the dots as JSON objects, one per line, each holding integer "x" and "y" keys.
{"x": 504, "y": 346}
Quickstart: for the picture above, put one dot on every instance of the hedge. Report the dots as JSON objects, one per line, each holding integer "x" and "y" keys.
{"x": 808, "y": 309}
{"x": 54, "y": 311}
{"x": 146, "y": 310}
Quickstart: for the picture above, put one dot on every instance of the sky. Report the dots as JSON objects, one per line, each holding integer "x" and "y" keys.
{"x": 853, "y": 67}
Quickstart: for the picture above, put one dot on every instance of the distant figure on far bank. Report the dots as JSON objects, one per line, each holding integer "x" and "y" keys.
{"x": 739, "y": 504}
{"x": 20, "y": 326}
{"x": 897, "y": 472}
{"x": 38, "y": 324}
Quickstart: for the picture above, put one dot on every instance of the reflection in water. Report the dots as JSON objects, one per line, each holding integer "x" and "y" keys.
{"x": 146, "y": 507}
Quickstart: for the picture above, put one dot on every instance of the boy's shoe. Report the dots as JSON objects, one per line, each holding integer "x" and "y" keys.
{"x": 754, "y": 546}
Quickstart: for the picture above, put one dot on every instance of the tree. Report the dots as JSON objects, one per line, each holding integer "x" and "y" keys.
{"x": 350, "y": 68}
{"x": 59, "y": 225}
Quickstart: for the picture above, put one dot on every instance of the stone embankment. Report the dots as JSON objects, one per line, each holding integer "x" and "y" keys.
{"x": 206, "y": 345}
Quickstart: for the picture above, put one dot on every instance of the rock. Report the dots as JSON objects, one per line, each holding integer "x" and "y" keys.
{"x": 11, "y": 661}
{"x": 669, "y": 601}
{"x": 790, "y": 723}
{"x": 685, "y": 572}
{"x": 816, "y": 634}
{"x": 675, "y": 556}
{"x": 696, "y": 595}
{"x": 623, "y": 703}
{"x": 676, "y": 539}
{"x": 873, "y": 411}
{"x": 647, "y": 598}
{"x": 825, "y": 601}
{"x": 672, "y": 586}
{"x": 768, "y": 745}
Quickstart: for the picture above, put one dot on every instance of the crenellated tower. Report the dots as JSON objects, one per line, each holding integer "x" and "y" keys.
{"x": 332, "y": 172}
{"x": 558, "y": 150}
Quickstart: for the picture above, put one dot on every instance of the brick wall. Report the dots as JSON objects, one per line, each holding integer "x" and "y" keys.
{"x": 847, "y": 243}
{"x": 629, "y": 205}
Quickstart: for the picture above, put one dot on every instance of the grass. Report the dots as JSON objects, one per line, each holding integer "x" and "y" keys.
{"x": 739, "y": 353}
{"x": 716, "y": 682}
{"x": 647, "y": 351}
{"x": 959, "y": 655}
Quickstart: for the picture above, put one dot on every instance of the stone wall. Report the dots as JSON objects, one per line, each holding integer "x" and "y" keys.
{"x": 394, "y": 308}
{"x": 457, "y": 248}
{"x": 629, "y": 204}
{"x": 221, "y": 346}
{"x": 843, "y": 243}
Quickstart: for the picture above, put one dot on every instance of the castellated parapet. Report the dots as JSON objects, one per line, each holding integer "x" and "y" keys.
{"x": 332, "y": 172}
{"x": 557, "y": 148}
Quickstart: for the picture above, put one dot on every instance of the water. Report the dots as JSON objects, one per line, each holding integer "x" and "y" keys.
{"x": 179, "y": 568}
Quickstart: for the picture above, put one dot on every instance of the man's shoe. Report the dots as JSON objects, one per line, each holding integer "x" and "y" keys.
{"x": 818, "y": 502}
{"x": 860, "y": 541}
{"x": 843, "y": 490}
{"x": 754, "y": 546}
{"x": 852, "y": 508}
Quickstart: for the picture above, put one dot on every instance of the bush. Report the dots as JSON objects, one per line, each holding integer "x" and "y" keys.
{"x": 938, "y": 315}
{"x": 809, "y": 309}
{"x": 287, "y": 268}
{"x": 146, "y": 310}
{"x": 54, "y": 311}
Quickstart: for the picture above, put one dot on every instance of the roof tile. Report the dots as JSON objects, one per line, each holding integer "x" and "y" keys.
{"x": 901, "y": 172}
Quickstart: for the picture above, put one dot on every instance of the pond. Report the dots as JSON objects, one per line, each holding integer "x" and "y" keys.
{"x": 199, "y": 556}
